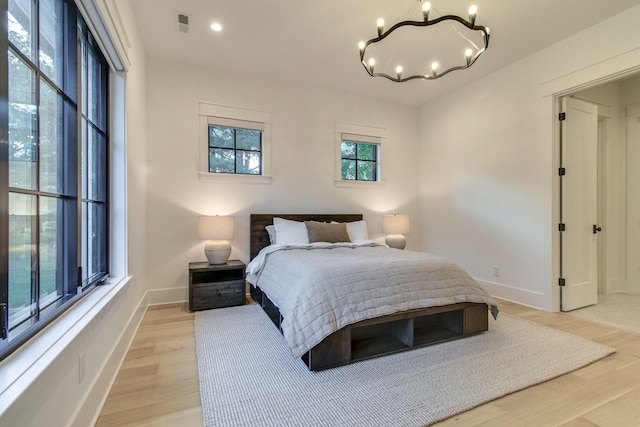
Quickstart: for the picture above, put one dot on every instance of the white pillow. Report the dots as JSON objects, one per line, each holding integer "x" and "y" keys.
{"x": 271, "y": 230}
{"x": 358, "y": 230}
{"x": 290, "y": 232}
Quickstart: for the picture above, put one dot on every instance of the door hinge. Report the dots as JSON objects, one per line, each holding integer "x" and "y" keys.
{"x": 562, "y": 171}
{"x": 3, "y": 321}
{"x": 562, "y": 227}
{"x": 562, "y": 116}
{"x": 561, "y": 282}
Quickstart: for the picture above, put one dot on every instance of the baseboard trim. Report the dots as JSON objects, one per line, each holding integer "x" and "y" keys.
{"x": 89, "y": 410}
{"x": 167, "y": 296}
{"x": 510, "y": 293}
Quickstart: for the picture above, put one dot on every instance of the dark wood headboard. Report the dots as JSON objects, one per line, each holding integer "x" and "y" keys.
{"x": 260, "y": 238}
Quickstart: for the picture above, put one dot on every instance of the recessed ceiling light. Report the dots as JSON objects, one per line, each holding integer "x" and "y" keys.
{"x": 216, "y": 27}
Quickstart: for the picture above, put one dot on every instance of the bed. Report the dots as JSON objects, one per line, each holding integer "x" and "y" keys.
{"x": 351, "y": 317}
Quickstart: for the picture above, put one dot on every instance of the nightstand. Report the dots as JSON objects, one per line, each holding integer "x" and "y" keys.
{"x": 215, "y": 286}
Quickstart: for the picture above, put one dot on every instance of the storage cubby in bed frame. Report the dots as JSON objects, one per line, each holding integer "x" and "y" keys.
{"x": 388, "y": 334}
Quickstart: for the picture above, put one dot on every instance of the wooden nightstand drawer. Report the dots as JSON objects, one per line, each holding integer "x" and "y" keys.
{"x": 215, "y": 295}
{"x": 215, "y": 286}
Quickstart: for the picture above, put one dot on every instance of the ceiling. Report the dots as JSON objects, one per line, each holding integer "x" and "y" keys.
{"x": 314, "y": 43}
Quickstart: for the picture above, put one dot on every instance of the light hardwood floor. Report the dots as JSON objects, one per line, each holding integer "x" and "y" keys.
{"x": 158, "y": 382}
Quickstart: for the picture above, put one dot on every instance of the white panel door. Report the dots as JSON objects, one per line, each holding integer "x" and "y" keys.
{"x": 579, "y": 263}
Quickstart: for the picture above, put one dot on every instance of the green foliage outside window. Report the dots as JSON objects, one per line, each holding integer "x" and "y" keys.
{"x": 359, "y": 161}
{"x": 234, "y": 150}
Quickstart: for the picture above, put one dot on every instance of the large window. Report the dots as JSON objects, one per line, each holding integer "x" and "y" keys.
{"x": 54, "y": 168}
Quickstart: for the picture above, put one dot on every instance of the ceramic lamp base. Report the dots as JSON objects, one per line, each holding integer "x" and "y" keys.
{"x": 217, "y": 251}
{"x": 396, "y": 241}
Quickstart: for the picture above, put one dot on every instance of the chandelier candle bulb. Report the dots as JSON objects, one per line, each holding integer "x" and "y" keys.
{"x": 399, "y": 72}
{"x": 467, "y": 54}
{"x": 473, "y": 10}
{"x": 426, "y": 8}
{"x": 380, "y": 26}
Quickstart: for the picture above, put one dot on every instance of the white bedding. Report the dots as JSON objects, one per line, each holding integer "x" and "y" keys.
{"x": 321, "y": 287}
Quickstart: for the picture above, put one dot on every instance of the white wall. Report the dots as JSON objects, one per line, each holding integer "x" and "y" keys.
{"x": 303, "y": 123}
{"x": 488, "y": 163}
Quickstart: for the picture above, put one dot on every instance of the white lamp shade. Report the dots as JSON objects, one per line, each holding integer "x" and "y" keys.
{"x": 215, "y": 227}
{"x": 395, "y": 224}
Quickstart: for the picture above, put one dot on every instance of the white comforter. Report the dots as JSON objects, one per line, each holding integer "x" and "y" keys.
{"x": 322, "y": 287}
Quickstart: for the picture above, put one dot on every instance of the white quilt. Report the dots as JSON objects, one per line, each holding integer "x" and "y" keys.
{"x": 322, "y": 287}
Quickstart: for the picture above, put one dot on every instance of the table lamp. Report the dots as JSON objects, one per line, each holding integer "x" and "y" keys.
{"x": 217, "y": 230}
{"x": 394, "y": 226}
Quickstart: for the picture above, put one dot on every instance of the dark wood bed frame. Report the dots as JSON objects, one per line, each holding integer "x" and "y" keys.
{"x": 377, "y": 336}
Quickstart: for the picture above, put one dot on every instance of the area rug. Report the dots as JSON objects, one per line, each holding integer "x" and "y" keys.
{"x": 249, "y": 378}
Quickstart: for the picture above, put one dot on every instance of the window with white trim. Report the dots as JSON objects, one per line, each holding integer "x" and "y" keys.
{"x": 359, "y": 158}
{"x": 234, "y": 144}
{"x": 358, "y": 155}
{"x": 235, "y": 147}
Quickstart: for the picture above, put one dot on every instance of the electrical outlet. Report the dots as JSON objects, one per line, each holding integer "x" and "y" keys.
{"x": 496, "y": 271}
{"x": 81, "y": 367}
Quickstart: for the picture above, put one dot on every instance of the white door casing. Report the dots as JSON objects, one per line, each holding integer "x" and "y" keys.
{"x": 579, "y": 186}
{"x": 633, "y": 199}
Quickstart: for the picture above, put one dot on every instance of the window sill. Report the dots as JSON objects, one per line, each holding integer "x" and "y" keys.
{"x": 25, "y": 365}
{"x": 358, "y": 184}
{"x": 234, "y": 179}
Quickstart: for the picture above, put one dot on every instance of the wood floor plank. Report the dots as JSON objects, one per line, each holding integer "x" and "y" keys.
{"x": 158, "y": 383}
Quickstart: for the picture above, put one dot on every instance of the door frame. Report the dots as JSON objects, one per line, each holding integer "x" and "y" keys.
{"x": 603, "y": 123}
{"x": 555, "y": 96}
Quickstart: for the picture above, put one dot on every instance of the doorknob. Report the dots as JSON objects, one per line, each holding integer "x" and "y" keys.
{"x": 596, "y": 229}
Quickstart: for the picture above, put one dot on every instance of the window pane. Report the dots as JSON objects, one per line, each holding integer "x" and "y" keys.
{"x": 92, "y": 86}
{"x": 96, "y": 111}
{"x": 248, "y": 162}
{"x": 348, "y": 169}
{"x": 366, "y": 171}
{"x": 92, "y": 239}
{"x": 84, "y": 69}
{"x": 22, "y": 256}
{"x": 51, "y": 167}
{"x": 248, "y": 139}
{"x": 95, "y": 171}
{"x": 50, "y": 249}
{"x": 23, "y": 116}
{"x": 51, "y": 32}
{"x": 100, "y": 177}
{"x": 221, "y": 160}
{"x": 220, "y": 137}
{"x": 21, "y": 23}
{"x": 348, "y": 150}
{"x": 84, "y": 156}
{"x": 366, "y": 151}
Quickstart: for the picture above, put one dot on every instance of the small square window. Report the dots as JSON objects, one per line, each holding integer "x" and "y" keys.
{"x": 234, "y": 144}
{"x": 359, "y": 161}
{"x": 235, "y": 150}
